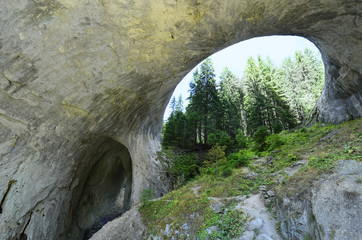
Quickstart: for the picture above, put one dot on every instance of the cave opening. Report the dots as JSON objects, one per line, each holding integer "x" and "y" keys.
{"x": 106, "y": 192}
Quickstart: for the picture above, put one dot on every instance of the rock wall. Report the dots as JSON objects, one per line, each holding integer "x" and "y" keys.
{"x": 74, "y": 74}
{"x": 330, "y": 210}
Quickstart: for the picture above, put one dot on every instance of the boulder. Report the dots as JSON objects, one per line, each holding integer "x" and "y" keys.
{"x": 247, "y": 235}
{"x": 256, "y": 224}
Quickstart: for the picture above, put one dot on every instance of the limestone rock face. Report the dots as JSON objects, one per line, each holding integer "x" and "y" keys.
{"x": 331, "y": 210}
{"x": 83, "y": 83}
{"x": 337, "y": 203}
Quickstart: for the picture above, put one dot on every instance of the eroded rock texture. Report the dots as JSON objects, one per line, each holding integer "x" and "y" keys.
{"x": 76, "y": 76}
{"x": 330, "y": 210}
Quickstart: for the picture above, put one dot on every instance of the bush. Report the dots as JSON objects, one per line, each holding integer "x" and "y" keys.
{"x": 277, "y": 127}
{"x": 146, "y": 196}
{"x": 236, "y": 160}
{"x": 240, "y": 159}
{"x": 220, "y": 138}
{"x": 274, "y": 141}
{"x": 259, "y": 137}
{"x": 241, "y": 139}
{"x": 225, "y": 140}
{"x": 212, "y": 139}
{"x": 210, "y": 171}
{"x": 183, "y": 166}
{"x": 216, "y": 155}
{"x": 226, "y": 172}
{"x": 231, "y": 224}
{"x": 194, "y": 170}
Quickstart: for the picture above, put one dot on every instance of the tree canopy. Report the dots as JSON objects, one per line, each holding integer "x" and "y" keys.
{"x": 266, "y": 99}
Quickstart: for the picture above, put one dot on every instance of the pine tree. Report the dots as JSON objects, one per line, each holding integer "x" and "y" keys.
{"x": 265, "y": 103}
{"x": 302, "y": 79}
{"x": 175, "y": 129}
{"x": 204, "y": 101}
{"x": 231, "y": 97}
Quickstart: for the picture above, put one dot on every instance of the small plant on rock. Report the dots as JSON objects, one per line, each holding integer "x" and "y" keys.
{"x": 146, "y": 196}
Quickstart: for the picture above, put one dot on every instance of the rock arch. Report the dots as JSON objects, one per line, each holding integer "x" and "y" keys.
{"x": 71, "y": 71}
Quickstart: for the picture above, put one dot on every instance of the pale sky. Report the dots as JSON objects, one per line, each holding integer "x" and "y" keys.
{"x": 235, "y": 58}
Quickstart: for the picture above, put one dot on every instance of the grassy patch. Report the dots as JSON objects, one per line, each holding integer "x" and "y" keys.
{"x": 176, "y": 208}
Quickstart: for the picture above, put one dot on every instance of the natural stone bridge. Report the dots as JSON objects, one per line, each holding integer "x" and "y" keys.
{"x": 84, "y": 84}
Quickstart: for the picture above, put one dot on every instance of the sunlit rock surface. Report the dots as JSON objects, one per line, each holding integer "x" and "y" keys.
{"x": 81, "y": 81}
{"x": 330, "y": 210}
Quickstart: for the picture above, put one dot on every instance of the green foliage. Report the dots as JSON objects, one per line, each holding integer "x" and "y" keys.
{"x": 174, "y": 130}
{"x": 323, "y": 164}
{"x": 220, "y": 138}
{"x": 204, "y": 103}
{"x": 293, "y": 157}
{"x": 213, "y": 139}
{"x": 260, "y": 137}
{"x": 265, "y": 103}
{"x": 216, "y": 155}
{"x": 186, "y": 165}
{"x": 176, "y": 207}
{"x": 241, "y": 140}
{"x": 226, "y": 172}
{"x": 146, "y": 196}
{"x": 225, "y": 140}
{"x": 224, "y": 114}
{"x": 231, "y": 95}
{"x": 210, "y": 171}
{"x": 274, "y": 141}
{"x": 231, "y": 225}
{"x": 181, "y": 167}
{"x": 302, "y": 79}
{"x": 240, "y": 159}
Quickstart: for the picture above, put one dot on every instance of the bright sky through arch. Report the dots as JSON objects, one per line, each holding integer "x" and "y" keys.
{"x": 235, "y": 58}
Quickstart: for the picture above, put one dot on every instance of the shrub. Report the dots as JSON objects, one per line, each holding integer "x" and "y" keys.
{"x": 225, "y": 140}
{"x": 194, "y": 170}
{"x": 248, "y": 154}
{"x": 212, "y": 139}
{"x": 241, "y": 139}
{"x": 184, "y": 167}
{"x": 293, "y": 157}
{"x": 259, "y": 137}
{"x": 216, "y": 155}
{"x": 209, "y": 171}
{"x": 231, "y": 224}
{"x": 277, "y": 127}
{"x": 146, "y": 196}
{"x": 236, "y": 160}
{"x": 226, "y": 172}
{"x": 274, "y": 141}
{"x": 220, "y": 138}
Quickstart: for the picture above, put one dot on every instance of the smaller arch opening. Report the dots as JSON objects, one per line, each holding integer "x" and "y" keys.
{"x": 107, "y": 190}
